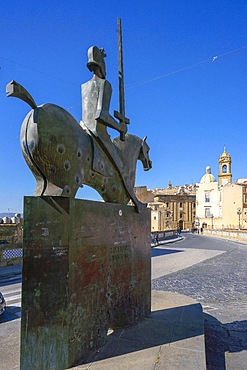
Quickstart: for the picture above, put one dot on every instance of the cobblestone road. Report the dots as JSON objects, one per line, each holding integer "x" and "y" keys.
{"x": 220, "y": 285}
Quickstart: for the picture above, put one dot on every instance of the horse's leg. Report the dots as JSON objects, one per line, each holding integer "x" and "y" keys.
{"x": 130, "y": 190}
{"x": 138, "y": 205}
{"x": 40, "y": 186}
{"x": 52, "y": 189}
{"x": 45, "y": 187}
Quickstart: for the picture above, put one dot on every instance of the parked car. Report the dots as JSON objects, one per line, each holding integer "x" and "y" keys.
{"x": 2, "y": 304}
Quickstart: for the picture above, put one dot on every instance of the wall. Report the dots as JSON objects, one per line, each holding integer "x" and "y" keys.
{"x": 214, "y": 203}
{"x": 232, "y": 200}
{"x": 227, "y": 234}
{"x": 11, "y": 232}
{"x": 143, "y": 194}
{"x": 157, "y": 237}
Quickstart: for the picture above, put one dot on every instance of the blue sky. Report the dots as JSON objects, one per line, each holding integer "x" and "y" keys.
{"x": 188, "y": 105}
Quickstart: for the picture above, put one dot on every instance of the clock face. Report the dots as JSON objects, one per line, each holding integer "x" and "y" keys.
{"x": 224, "y": 168}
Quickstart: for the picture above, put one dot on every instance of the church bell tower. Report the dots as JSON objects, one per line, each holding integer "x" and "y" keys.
{"x": 225, "y": 175}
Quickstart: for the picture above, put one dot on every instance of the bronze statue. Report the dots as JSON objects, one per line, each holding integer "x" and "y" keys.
{"x": 64, "y": 155}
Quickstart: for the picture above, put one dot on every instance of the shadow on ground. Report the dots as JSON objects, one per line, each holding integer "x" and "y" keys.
{"x": 4, "y": 281}
{"x": 156, "y": 252}
{"x": 221, "y": 338}
{"x": 161, "y": 327}
{"x": 10, "y": 314}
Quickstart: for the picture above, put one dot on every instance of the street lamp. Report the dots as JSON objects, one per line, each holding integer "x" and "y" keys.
{"x": 239, "y": 212}
{"x": 212, "y": 218}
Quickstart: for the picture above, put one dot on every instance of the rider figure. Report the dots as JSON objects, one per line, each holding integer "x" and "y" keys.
{"x": 96, "y": 97}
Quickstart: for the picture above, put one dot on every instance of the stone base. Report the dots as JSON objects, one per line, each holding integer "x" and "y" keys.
{"x": 86, "y": 268}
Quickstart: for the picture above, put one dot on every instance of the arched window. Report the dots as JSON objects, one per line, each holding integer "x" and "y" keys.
{"x": 224, "y": 168}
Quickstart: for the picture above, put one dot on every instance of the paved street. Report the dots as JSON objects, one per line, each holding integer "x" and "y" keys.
{"x": 219, "y": 284}
{"x": 210, "y": 270}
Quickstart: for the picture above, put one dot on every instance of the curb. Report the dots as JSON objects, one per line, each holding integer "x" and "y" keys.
{"x": 168, "y": 241}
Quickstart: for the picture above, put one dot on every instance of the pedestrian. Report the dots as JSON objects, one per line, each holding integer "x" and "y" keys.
{"x": 157, "y": 239}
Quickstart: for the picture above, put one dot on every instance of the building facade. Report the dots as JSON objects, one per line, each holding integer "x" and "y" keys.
{"x": 223, "y": 203}
{"x": 208, "y": 200}
{"x": 171, "y": 208}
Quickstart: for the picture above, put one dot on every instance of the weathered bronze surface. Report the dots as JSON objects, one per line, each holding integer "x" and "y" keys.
{"x": 86, "y": 268}
{"x": 64, "y": 155}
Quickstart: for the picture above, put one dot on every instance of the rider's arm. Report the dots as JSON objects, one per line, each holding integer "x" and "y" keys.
{"x": 102, "y": 113}
{"x": 105, "y": 118}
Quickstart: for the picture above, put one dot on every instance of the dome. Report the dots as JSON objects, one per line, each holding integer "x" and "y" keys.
{"x": 208, "y": 177}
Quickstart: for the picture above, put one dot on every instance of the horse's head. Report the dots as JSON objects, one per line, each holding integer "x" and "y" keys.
{"x": 144, "y": 155}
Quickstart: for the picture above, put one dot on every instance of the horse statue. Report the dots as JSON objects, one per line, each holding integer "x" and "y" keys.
{"x": 60, "y": 153}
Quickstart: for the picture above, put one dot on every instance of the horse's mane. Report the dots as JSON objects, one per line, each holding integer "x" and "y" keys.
{"x": 131, "y": 143}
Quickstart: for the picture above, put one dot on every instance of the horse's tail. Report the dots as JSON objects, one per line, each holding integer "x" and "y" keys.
{"x": 15, "y": 89}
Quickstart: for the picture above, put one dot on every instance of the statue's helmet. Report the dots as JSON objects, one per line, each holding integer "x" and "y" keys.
{"x": 96, "y": 58}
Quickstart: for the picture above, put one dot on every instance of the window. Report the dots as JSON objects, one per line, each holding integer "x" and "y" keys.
{"x": 207, "y": 212}
{"x": 180, "y": 204}
{"x": 167, "y": 204}
{"x": 207, "y": 196}
{"x": 224, "y": 168}
{"x": 245, "y": 198}
{"x": 154, "y": 217}
{"x": 181, "y": 215}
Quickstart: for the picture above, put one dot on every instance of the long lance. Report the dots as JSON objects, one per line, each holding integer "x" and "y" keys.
{"x": 121, "y": 114}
